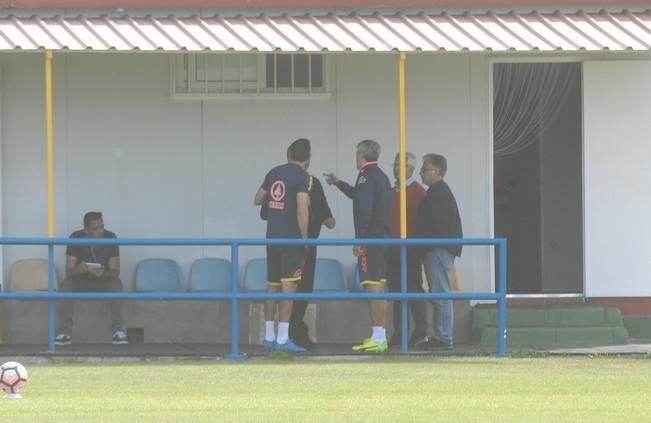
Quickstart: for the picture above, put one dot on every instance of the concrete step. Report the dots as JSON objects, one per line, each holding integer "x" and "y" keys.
{"x": 638, "y": 327}
{"x": 548, "y": 317}
{"x": 557, "y": 337}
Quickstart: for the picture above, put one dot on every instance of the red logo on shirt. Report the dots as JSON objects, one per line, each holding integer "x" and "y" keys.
{"x": 278, "y": 190}
{"x": 277, "y": 195}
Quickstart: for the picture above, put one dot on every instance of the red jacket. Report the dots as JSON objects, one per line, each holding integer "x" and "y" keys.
{"x": 415, "y": 194}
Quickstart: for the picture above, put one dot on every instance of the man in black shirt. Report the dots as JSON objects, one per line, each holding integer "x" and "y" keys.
{"x": 320, "y": 215}
{"x": 370, "y": 197}
{"x": 285, "y": 191}
{"x": 91, "y": 268}
{"x": 438, "y": 217}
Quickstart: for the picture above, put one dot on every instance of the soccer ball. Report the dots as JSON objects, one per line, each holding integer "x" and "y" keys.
{"x": 13, "y": 376}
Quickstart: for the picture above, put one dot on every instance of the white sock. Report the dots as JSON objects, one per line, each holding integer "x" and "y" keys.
{"x": 269, "y": 333}
{"x": 283, "y": 332}
{"x": 379, "y": 334}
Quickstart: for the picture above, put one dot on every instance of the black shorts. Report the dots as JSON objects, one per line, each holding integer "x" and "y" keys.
{"x": 372, "y": 265}
{"x": 284, "y": 264}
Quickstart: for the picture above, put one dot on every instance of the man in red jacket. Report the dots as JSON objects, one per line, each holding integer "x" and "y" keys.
{"x": 415, "y": 194}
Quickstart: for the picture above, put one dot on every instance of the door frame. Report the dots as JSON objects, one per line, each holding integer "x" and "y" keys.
{"x": 517, "y": 58}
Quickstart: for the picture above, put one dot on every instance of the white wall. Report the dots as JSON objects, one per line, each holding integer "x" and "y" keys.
{"x": 161, "y": 168}
{"x": 617, "y": 181}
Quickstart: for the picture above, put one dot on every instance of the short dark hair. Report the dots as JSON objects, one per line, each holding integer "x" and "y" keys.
{"x": 90, "y": 216}
{"x": 299, "y": 150}
{"x": 437, "y": 161}
{"x": 369, "y": 149}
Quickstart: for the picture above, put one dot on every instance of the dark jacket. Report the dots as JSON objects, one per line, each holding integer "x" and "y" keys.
{"x": 438, "y": 216}
{"x": 371, "y": 196}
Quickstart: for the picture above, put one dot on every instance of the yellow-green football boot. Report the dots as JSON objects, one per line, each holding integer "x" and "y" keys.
{"x": 368, "y": 345}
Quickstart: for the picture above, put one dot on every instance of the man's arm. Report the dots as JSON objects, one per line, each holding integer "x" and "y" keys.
{"x": 320, "y": 207}
{"x": 347, "y": 189}
{"x": 302, "y": 212}
{"x": 440, "y": 218}
{"x": 365, "y": 200}
{"x": 260, "y": 197}
{"x": 74, "y": 268}
{"x": 330, "y": 222}
{"x": 113, "y": 270}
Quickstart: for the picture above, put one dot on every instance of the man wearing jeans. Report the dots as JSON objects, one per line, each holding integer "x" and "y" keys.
{"x": 438, "y": 217}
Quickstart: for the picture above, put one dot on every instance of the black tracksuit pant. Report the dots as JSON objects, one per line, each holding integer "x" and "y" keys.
{"x": 298, "y": 330}
{"x": 418, "y": 309}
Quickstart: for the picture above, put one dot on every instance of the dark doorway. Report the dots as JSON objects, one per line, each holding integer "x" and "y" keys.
{"x": 538, "y": 175}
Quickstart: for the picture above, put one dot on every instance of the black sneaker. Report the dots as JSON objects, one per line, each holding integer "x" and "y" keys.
{"x": 396, "y": 339}
{"x": 119, "y": 338}
{"x": 62, "y": 339}
{"x": 306, "y": 343}
{"x": 417, "y": 339}
{"x": 436, "y": 344}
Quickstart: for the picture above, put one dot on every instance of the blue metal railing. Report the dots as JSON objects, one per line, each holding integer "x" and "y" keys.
{"x": 235, "y": 296}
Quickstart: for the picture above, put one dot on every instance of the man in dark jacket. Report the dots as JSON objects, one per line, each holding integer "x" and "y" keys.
{"x": 438, "y": 217}
{"x": 371, "y": 218}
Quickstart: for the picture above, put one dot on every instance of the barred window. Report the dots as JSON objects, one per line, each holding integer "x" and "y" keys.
{"x": 249, "y": 73}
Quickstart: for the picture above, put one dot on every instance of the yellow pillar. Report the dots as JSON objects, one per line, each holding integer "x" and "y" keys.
{"x": 49, "y": 143}
{"x": 402, "y": 148}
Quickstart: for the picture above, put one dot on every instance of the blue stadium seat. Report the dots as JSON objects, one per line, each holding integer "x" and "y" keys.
{"x": 255, "y": 275}
{"x": 158, "y": 274}
{"x": 329, "y": 275}
{"x": 210, "y": 274}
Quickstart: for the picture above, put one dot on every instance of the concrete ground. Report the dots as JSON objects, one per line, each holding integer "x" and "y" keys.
{"x": 643, "y": 347}
{"x": 191, "y": 351}
{"x": 194, "y": 350}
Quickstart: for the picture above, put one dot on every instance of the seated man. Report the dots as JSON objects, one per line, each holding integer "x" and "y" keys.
{"x": 91, "y": 268}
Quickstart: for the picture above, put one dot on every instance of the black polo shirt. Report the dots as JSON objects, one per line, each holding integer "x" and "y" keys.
{"x": 319, "y": 209}
{"x": 282, "y": 183}
{"x": 93, "y": 253}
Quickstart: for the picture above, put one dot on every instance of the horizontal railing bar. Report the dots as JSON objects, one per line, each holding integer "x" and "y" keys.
{"x": 244, "y": 296}
{"x": 538, "y": 296}
{"x": 363, "y": 296}
{"x": 249, "y": 241}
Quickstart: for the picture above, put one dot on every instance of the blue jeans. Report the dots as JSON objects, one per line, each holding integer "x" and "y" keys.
{"x": 437, "y": 267}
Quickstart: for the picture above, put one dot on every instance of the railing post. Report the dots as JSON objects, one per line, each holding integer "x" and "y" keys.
{"x": 235, "y": 309}
{"x": 404, "y": 324}
{"x": 501, "y": 330}
{"x": 51, "y": 303}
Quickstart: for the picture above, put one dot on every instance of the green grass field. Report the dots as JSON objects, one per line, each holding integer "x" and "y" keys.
{"x": 385, "y": 389}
